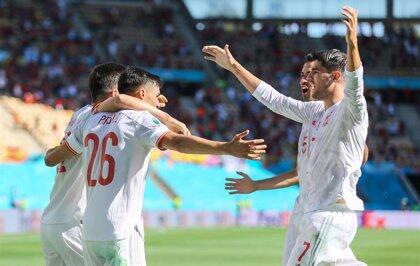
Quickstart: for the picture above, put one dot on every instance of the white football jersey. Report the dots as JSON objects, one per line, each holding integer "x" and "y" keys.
{"x": 298, "y": 208}
{"x": 116, "y": 150}
{"x": 68, "y": 198}
{"x": 331, "y": 154}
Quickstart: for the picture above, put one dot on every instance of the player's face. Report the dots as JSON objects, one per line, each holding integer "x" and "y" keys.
{"x": 151, "y": 94}
{"x": 321, "y": 80}
{"x": 306, "y": 87}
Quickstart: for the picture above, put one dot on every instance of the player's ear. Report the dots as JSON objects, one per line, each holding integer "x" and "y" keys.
{"x": 141, "y": 94}
{"x": 336, "y": 75}
{"x": 114, "y": 91}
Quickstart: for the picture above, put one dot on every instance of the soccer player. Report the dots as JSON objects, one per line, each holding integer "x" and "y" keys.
{"x": 331, "y": 154}
{"x": 116, "y": 150}
{"x": 61, "y": 220}
{"x": 246, "y": 184}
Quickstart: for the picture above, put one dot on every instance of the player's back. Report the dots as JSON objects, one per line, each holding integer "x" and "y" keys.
{"x": 67, "y": 199}
{"x": 116, "y": 154}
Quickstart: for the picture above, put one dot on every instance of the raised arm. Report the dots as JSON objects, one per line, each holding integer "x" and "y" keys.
{"x": 263, "y": 92}
{"x": 224, "y": 59}
{"x": 353, "y": 56}
{"x": 354, "y": 99}
{"x": 123, "y": 101}
{"x": 238, "y": 147}
{"x": 246, "y": 185}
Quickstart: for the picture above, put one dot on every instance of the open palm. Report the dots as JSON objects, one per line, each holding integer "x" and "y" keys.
{"x": 220, "y": 56}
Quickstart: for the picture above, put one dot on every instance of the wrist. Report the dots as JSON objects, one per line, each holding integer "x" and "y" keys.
{"x": 166, "y": 118}
{"x": 225, "y": 148}
{"x": 255, "y": 186}
{"x": 235, "y": 67}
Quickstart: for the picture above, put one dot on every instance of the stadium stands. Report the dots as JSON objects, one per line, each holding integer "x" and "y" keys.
{"x": 15, "y": 143}
{"x": 47, "y": 50}
{"x": 141, "y": 34}
{"x": 45, "y": 54}
{"x": 45, "y": 124}
{"x": 219, "y": 111}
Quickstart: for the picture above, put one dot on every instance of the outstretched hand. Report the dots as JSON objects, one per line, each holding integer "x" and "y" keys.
{"x": 248, "y": 149}
{"x": 220, "y": 56}
{"x": 243, "y": 185}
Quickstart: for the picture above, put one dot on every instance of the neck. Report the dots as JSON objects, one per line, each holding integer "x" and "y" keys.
{"x": 336, "y": 95}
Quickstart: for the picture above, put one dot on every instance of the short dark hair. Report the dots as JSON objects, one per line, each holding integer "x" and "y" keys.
{"x": 103, "y": 78}
{"x": 133, "y": 77}
{"x": 330, "y": 59}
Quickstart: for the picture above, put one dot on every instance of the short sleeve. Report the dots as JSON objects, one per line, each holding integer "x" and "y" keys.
{"x": 150, "y": 130}
{"x": 75, "y": 139}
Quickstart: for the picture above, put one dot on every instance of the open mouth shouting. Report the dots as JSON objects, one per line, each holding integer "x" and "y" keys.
{"x": 305, "y": 90}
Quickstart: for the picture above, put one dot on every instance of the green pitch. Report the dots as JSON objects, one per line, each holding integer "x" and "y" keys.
{"x": 231, "y": 247}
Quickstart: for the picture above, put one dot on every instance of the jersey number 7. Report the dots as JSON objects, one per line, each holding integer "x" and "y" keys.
{"x": 104, "y": 158}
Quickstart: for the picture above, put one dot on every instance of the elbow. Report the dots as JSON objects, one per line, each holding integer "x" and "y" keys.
{"x": 48, "y": 162}
{"x": 173, "y": 141}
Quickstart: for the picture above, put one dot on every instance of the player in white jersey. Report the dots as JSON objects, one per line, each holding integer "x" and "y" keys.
{"x": 116, "y": 150}
{"x": 61, "y": 220}
{"x": 246, "y": 184}
{"x": 331, "y": 154}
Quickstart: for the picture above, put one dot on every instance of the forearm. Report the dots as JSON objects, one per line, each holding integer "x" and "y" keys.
{"x": 193, "y": 144}
{"x": 280, "y": 181}
{"x": 353, "y": 57}
{"x": 50, "y": 152}
{"x": 122, "y": 101}
{"x": 56, "y": 155}
{"x": 247, "y": 79}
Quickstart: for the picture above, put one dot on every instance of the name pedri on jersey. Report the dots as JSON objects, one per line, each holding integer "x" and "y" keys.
{"x": 116, "y": 149}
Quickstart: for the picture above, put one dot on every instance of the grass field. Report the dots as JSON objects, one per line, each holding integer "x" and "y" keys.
{"x": 231, "y": 246}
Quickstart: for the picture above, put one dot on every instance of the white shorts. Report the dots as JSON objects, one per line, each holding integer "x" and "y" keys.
{"x": 62, "y": 244}
{"x": 127, "y": 252}
{"x": 291, "y": 236}
{"x": 324, "y": 239}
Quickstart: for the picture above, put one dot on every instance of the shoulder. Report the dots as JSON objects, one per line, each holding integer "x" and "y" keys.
{"x": 139, "y": 117}
{"x": 84, "y": 112}
{"x": 80, "y": 115}
{"x": 314, "y": 106}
